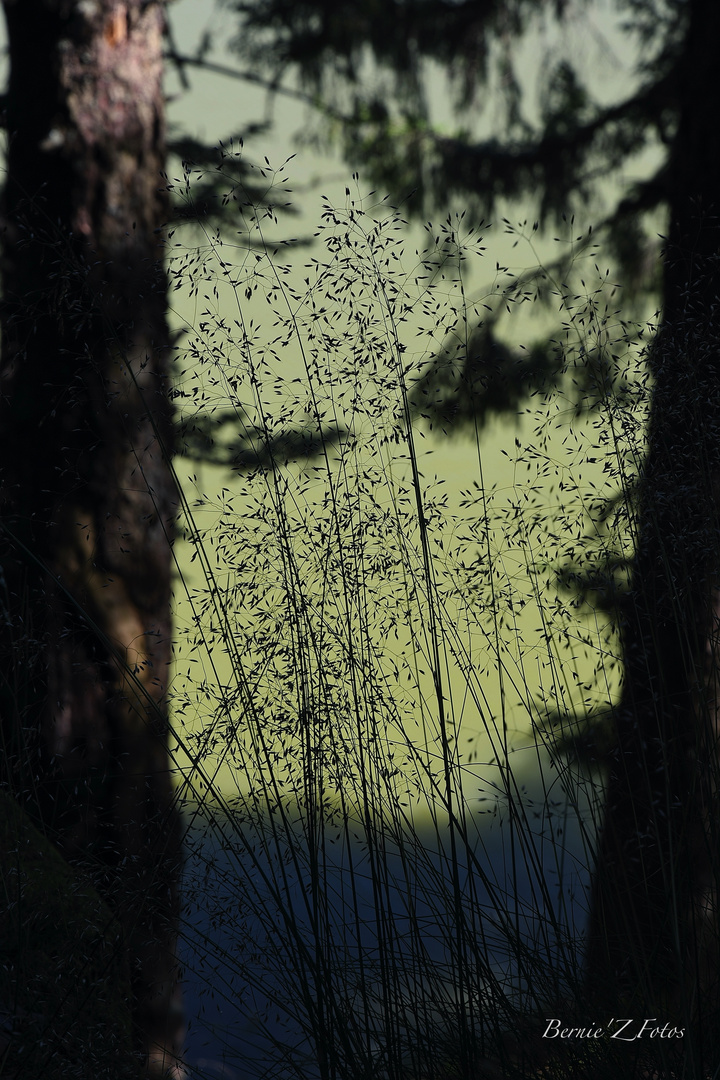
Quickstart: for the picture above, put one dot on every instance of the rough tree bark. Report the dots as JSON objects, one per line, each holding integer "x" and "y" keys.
{"x": 87, "y": 493}
{"x": 654, "y": 937}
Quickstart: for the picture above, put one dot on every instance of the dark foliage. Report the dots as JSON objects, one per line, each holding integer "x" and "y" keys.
{"x": 558, "y": 158}
{"x": 373, "y": 69}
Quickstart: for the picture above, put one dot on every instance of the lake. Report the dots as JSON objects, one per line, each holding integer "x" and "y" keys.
{"x": 376, "y": 938}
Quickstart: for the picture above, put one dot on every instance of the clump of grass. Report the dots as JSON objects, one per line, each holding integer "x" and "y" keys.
{"x": 388, "y": 857}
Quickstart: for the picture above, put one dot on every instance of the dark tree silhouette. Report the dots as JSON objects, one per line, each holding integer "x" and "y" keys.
{"x": 87, "y": 493}
{"x": 654, "y": 938}
{"x": 654, "y": 926}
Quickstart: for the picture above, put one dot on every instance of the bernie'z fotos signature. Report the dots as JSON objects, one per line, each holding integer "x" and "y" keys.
{"x": 623, "y": 1029}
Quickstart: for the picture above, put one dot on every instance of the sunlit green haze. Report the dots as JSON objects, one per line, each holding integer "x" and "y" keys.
{"x": 386, "y": 616}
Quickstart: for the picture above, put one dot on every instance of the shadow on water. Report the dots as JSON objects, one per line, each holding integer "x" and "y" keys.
{"x": 357, "y": 934}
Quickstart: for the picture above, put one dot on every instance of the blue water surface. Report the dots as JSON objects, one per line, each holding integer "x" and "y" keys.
{"x": 301, "y": 933}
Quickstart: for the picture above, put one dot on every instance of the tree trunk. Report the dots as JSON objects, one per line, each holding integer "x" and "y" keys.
{"x": 654, "y": 936}
{"x": 87, "y": 493}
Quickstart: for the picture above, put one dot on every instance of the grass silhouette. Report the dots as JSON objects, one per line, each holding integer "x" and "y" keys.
{"x": 391, "y": 711}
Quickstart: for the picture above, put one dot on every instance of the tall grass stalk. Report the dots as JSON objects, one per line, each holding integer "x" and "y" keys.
{"x": 388, "y": 855}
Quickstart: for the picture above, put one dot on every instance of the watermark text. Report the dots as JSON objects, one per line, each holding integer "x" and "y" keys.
{"x": 623, "y": 1028}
